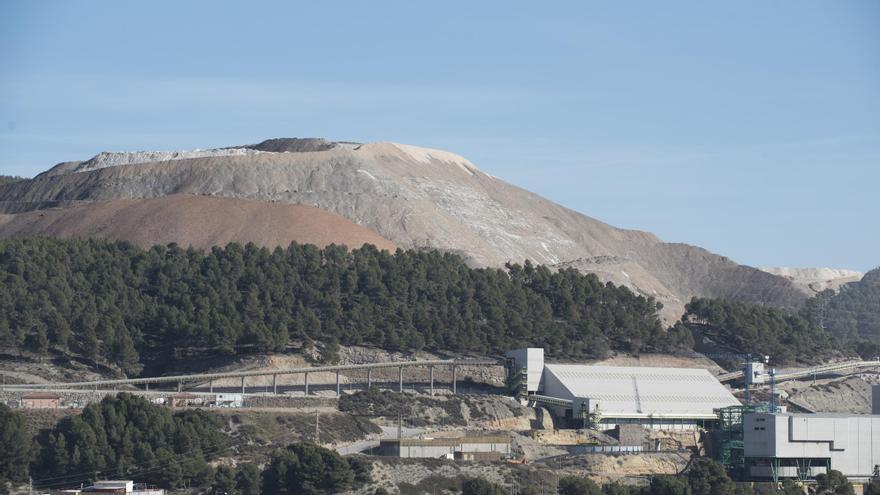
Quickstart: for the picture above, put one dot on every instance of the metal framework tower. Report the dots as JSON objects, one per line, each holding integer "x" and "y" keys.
{"x": 730, "y": 428}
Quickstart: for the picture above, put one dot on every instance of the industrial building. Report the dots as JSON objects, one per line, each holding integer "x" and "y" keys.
{"x": 608, "y": 396}
{"x": 127, "y": 487}
{"x": 41, "y": 400}
{"x": 229, "y": 400}
{"x": 463, "y": 448}
{"x": 781, "y": 445}
{"x": 186, "y": 399}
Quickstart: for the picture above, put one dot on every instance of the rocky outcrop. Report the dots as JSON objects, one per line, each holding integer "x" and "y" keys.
{"x": 416, "y": 198}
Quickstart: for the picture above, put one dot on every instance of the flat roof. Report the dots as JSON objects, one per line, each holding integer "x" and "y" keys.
{"x": 834, "y": 415}
{"x": 41, "y": 395}
{"x": 644, "y": 391}
{"x": 185, "y": 395}
{"x": 446, "y": 441}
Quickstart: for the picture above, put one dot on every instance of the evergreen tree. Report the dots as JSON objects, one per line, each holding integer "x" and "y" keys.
{"x": 16, "y": 451}
{"x": 573, "y": 485}
{"x": 122, "y": 434}
{"x": 120, "y": 305}
{"x": 247, "y": 480}
{"x": 479, "y": 486}
{"x": 760, "y": 330}
{"x": 872, "y": 488}
{"x": 708, "y": 477}
{"x": 833, "y": 483}
{"x": 9, "y": 179}
{"x": 669, "y": 485}
{"x": 307, "y": 469}
{"x": 224, "y": 481}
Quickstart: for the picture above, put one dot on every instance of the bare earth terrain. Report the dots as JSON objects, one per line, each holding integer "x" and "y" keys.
{"x": 197, "y": 221}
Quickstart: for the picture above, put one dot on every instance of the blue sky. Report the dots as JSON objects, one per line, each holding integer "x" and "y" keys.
{"x": 749, "y": 128}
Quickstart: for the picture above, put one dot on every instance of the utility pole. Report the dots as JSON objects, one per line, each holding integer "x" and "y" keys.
{"x": 317, "y": 427}
{"x": 772, "y": 374}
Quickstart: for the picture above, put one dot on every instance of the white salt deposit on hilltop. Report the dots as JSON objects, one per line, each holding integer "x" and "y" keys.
{"x": 816, "y": 279}
{"x": 114, "y": 159}
{"x": 813, "y": 274}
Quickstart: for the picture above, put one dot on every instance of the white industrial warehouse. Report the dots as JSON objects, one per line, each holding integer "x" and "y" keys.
{"x": 607, "y": 396}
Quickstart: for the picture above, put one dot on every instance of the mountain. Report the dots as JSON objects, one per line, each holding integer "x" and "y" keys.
{"x": 815, "y": 280}
{"x": 416, "y": 198}
{"x": 198, "y": 221}
{"x": 854, "y": 312}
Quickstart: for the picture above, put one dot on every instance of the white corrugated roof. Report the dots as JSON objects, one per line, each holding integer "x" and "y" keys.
{"x": 637, "y": 391}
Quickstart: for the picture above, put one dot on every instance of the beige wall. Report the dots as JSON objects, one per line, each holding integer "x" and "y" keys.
{"x": 41, "y": 403}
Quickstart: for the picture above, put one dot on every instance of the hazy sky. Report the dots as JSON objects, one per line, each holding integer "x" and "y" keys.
{"x": 748, "y": 128}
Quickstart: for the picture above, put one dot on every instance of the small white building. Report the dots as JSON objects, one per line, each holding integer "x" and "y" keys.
{"x": 804, "y": 445}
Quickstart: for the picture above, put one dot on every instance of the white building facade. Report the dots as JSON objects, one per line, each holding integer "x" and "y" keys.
{"x": 804, "y": 445}
{"x": 530, "y": 362}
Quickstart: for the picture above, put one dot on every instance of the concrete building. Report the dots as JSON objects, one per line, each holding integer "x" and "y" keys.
{"x": 41, "y": 400}
{"x": 608, "y": 396}
{"x": 229, "y": 400}
{"x": 803, "y": 445}
{"x": 630, "y": 435}
{"x": 464, "y": 448}
{"x": 531, "y": 362}
{"x": 186, "y": 399}
{"x": 115, "y": 486}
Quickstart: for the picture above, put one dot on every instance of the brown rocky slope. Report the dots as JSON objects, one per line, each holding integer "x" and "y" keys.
{"x": 197, "y": 221}
{"x": 415, "y": 197}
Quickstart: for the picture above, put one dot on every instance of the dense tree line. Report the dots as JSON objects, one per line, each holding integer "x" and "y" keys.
{"x": 853, "y": 314}
{"x": 308, "y": 469}
{"x": 784, "y": 335}
{"x": 9, "y": 179}
{"x": 243, "y": 479}
{"x": 16, "y": 448}
{"x": 118, "y": 303}
{"x": 300, "y": 469}
{"x": 128, "y": 437}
